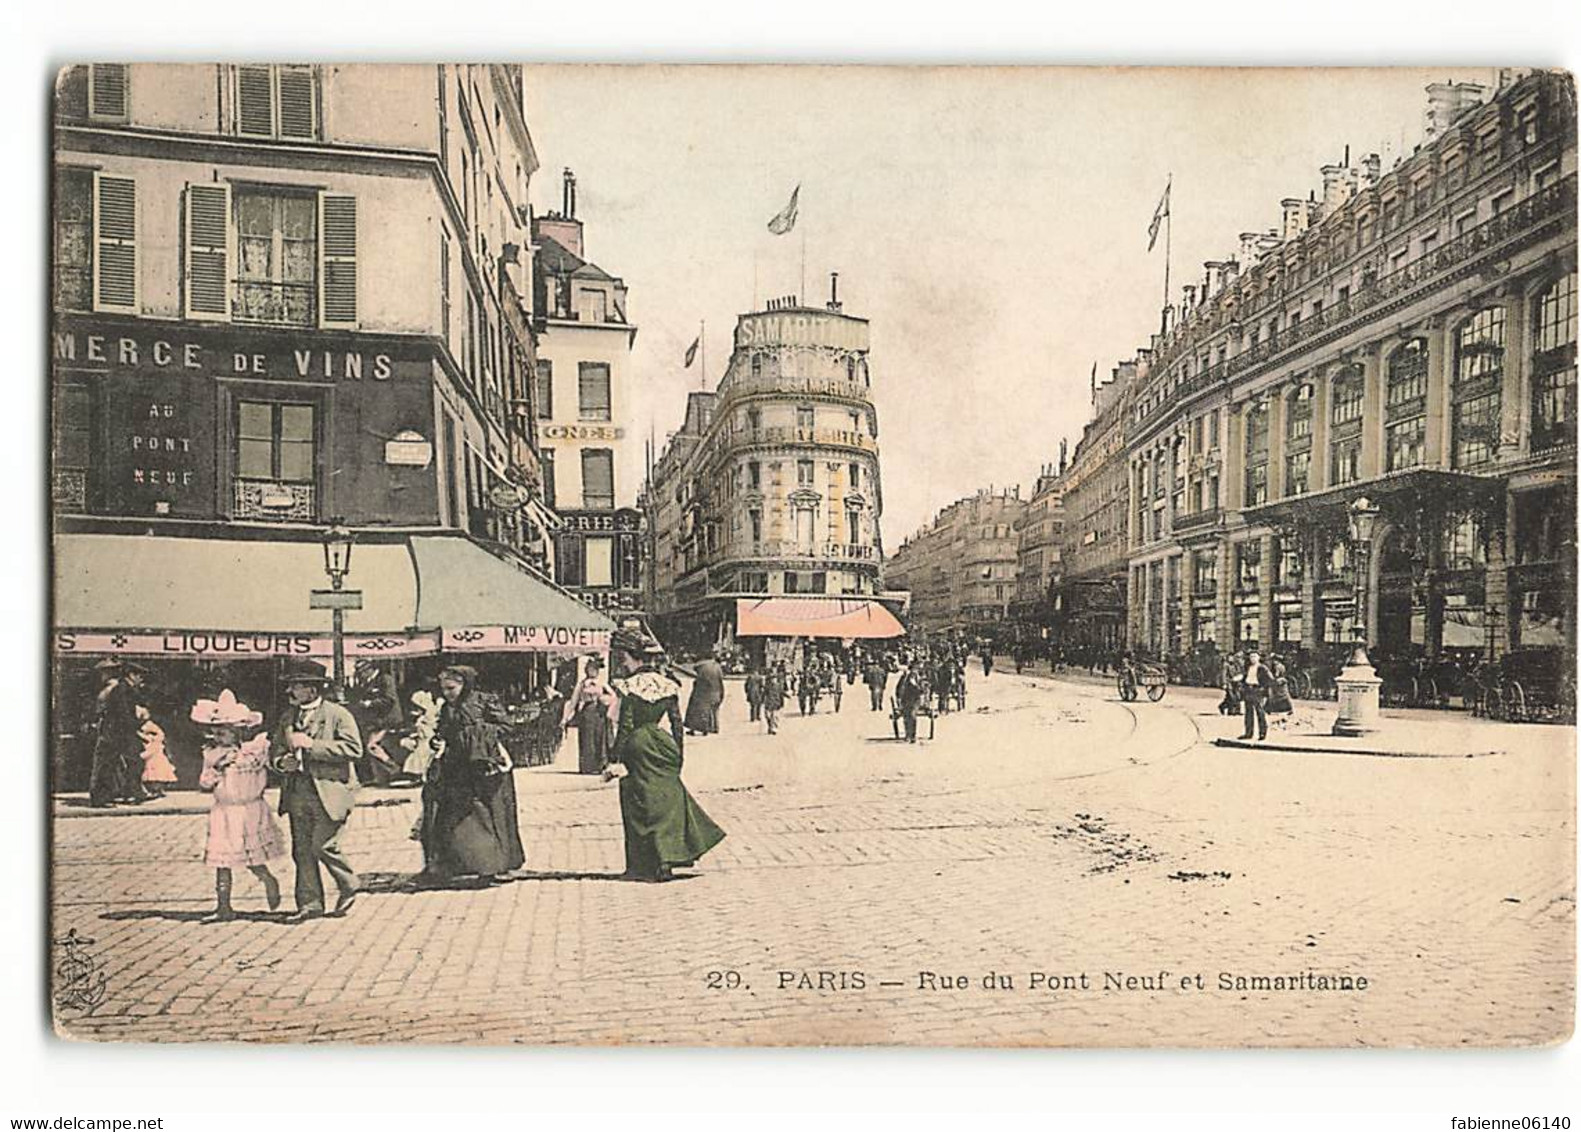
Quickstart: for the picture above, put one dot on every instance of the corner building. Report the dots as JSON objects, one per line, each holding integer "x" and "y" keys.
{"x": 285, "y": 295}
{"x": 766, "y": 503}
{"x": 1408, "y": 338}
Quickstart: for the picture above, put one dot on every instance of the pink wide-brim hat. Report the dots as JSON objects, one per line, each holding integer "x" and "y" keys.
{"x": 227, "y": 711}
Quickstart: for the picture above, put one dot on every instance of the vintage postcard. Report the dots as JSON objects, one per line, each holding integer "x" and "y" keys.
{"x": 813, "y": 555}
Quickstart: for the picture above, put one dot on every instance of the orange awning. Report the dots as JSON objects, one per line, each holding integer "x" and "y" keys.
{"x": 837, "y": 617}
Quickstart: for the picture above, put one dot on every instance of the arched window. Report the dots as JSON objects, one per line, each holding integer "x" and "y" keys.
{"x": 1345, "y": 400}
{"x": 1408, "y": 372}
{"x": 1479, "y": 371}
{"x": 1554, "y": 365}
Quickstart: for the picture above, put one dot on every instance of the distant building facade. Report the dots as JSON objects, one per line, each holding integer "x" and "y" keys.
{"x": 1092, "y": 593}
{"x": 960, "y": 570}
{"x": 772, "y": 485}
{"x": 583, "y": 401}
{"x": 1040, "y": 555}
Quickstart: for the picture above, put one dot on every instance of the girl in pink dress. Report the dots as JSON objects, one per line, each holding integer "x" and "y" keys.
{"x": 242, "y": 831}
{"x": 158, "y": 770}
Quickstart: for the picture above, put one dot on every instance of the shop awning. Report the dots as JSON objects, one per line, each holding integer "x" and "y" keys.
{"x": 847, "y": 618}
{"x": 154, "y": 595}
{"x": 484, "y": 604}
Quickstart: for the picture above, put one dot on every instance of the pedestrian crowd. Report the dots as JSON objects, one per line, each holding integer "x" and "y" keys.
{"x": 629, "y": 728}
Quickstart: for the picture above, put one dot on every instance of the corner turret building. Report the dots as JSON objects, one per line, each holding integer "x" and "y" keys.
{"x": 766, "y": 503}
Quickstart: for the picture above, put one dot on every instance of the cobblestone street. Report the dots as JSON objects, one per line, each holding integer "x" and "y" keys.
{"x": 1050, "y": 830}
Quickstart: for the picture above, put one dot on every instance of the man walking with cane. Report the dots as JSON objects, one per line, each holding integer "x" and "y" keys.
{"x": 316, "y": 748}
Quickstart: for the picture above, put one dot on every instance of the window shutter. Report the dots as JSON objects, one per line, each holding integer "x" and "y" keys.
{"x": 337, "y": 277}
{"x": 254, "y": 101}
{"x": 208, "y": 251}
{"x": 107, "y": 90}
{"x": 114, "y": 243}
{"x": 298, "y": 111}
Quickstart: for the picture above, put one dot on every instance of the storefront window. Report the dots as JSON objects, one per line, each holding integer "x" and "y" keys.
{"x": 1405, "y": 443}
{"x": 1554, "y": 366}
{"x": 1248, "y": 565}
{"x": 1207, "y": 574}
{"x": 1298, "y": 473}
{"x": 1345, "y": 462}
{"x": 1476, "y": 430}
{"x": 1464, "y": 548}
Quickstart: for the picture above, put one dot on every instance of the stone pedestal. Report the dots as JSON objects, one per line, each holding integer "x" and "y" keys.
{"x": 1358, "y": 688}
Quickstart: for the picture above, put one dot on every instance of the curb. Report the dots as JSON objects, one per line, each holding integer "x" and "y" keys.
{"x": 1332, "y": 749}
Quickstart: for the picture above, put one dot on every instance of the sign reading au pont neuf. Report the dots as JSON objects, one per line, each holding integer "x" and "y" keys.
{"x": 160, "y": 416}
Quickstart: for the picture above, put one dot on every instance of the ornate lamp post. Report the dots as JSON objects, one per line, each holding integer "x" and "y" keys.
{"x": 1357, "y": 683}
{"x": 337, "y": 599}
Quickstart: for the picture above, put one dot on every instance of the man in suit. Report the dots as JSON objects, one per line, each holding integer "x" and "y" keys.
{"x": 875, "y": 676}
{"x": 1256, "y": 682}
{"x": 316, "y": 747}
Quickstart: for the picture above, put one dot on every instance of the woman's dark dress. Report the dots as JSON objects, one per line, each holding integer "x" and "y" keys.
{"x": 664, "y": 826}
{"x": 469, "y": 805}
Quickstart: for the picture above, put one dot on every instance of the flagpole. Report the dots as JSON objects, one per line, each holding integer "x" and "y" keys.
{"x": 1169, "y": 224}
{"x": 702, "y": 339}
{"x": 803, "y": 296}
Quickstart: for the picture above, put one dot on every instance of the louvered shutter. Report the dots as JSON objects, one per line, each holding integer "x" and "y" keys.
{"x": 337, "y": 277}
{"x": 208, "y": 251}
{"x": 114, "y": 243}
{"x": 254, "y": 101}
{"x": 107, "y": 90}
{"x": 298, "y": 109}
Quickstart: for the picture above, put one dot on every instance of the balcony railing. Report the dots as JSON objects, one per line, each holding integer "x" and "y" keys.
{"x": 823, "y": 551}
{"x": 782, "y": 434}
{"x": 1197, "y": 520}
{"x": 274, "y": 501}
{"x": 827, "y": 385}
{"x": 1433, "y": 268}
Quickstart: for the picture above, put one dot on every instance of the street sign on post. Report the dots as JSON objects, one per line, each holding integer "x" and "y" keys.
{"x": 335, "y": 599}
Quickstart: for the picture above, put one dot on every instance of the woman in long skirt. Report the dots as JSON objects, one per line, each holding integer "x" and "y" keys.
{"x": 665, "y": 829}
{"x": 469, "y": 804}
{"x": 593, "y": 710}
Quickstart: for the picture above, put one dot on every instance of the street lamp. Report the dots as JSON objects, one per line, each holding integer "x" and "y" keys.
{"x": 337, "y": 552}
{"x": 1357, "y": 683}
{"x": 1363, "y": 518}
{"x": 337, "y": 599}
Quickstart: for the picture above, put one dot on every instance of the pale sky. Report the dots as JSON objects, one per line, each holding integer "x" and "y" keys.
{"x": 991, "y": 223}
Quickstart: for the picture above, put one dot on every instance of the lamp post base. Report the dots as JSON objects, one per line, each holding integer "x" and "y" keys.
{"x": 1358, "y": 688}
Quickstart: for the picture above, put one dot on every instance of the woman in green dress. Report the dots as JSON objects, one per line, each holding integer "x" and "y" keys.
{"x": 665, "y": 828}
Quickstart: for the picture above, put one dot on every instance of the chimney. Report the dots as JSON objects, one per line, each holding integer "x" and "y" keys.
{"x": 1296, "y": 216}
{"x": 568, "y": 194}
{"x": 1062, "y": 456}
{"x": 1188, "y": 299}
{"x": 1248, "y": 249}
{"x": 1447, "y": 102}
{"x": 1370, "y": 166}
{"x": 834, "y": 290}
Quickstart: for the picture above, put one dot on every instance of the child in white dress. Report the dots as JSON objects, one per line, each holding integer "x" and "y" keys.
{"x": 242, "y": 831}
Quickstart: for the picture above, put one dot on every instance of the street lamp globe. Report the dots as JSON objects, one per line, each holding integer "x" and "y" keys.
{"x": 337, "y": 551}
{"x": 1363, "y": 517}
